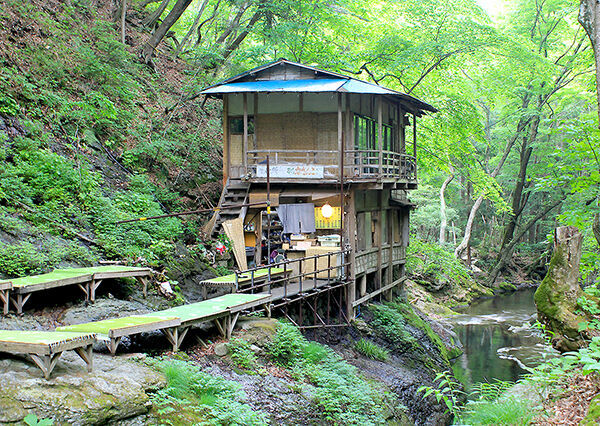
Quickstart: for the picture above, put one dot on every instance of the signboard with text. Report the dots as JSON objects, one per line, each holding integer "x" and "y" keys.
{"x": 302, "y": 171}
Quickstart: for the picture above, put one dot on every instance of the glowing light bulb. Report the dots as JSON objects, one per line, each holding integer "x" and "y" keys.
{"x": 327, "y": 211}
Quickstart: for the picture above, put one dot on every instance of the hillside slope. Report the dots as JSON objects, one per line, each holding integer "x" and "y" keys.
{"x": 89, "y": 136}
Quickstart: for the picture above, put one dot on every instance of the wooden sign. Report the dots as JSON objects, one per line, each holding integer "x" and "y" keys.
{"x": 291, "y": 171}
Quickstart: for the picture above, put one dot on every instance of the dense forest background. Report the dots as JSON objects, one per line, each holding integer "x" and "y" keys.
{"x": 101, "y": 119}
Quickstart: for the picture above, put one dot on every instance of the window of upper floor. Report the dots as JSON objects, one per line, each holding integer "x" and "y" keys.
{"x": 365, "y": 134}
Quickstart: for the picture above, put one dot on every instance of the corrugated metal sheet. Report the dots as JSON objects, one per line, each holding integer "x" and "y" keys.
{"x": 357, "y": 86}
{"x": 320, "y": 85}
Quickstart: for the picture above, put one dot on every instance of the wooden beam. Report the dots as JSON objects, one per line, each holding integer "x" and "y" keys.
{"x": 226, "y": 144}
{"x": 340, "y": 129}
{"x": 380, "y": 133}
{"x": 254, "y": 114}
{"x": 245, "y": 153}
{"x": 415, "y": 136}
{"x": 378, "y": 291}
{"x": 390, "y": 238}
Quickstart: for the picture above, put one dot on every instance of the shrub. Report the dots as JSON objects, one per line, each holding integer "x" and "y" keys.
{"x": 371, "y": 350}
{"x": 286, "y": 345}
{"x": 241, "y": 353}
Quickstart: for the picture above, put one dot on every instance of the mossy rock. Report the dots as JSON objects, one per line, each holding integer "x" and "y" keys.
{"x": 556, "y": 300}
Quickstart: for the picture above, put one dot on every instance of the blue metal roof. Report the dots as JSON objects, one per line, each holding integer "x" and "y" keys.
{"x": 332, "y": 83}
{"x": 318, "y": 85}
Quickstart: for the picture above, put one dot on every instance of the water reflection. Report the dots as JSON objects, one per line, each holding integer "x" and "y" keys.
{"x": 498, "y": 338}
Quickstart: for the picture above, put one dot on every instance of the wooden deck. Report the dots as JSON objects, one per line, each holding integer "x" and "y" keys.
{"x": 46, "y": 347}
{"x": 113, "y": 330}
{"x": 174, "y": 323}
{"x": 87, "y": 279}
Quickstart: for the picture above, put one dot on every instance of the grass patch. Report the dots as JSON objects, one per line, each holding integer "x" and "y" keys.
{"x": 499, "y": 412}
{"x": 371, "y": 350}
{"x": 211, "y": 400}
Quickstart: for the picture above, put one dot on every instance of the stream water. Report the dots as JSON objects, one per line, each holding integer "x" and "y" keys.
{"x": 499, "y": 339}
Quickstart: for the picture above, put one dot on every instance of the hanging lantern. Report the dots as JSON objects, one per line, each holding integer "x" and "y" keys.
{"x": 327, "y": 211}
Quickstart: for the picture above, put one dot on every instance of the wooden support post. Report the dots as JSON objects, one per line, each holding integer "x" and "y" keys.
{"x": 255, "y": 114}
{"x": 19, "y": 302}
{"x": 245, "y": 153}
{"x": 5, "y": 297}
{"x": 172, "y": 336}
{"x": 340, "y": 131}
{"x": 231, "y": 321}
{"x": 85, "y": 287}
{"x": 380, "y": 240}
{"x": 144, "y": 282}
{"x": 46, "y": 362}
{"x": 112, "y": 345}
{"x": 221, "y": 327}
{"x": 415, "y": 136}
{"x": 182, "y": 333}
{"x": 380, "y": 133}
{"x": 86, "y": 355}
{"x": 226, "y": 143}
{"x": 92, "y": 289}
{"x": 390, "y": 240}
{"x": 352, "y": 240}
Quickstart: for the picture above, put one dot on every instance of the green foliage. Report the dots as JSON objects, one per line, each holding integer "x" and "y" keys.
{"x": 286, "y": 345}
{"x": 436, "y": 262}
{"x": 241, "y": 353}
{"x": 216, "y": 400}
{"x": 447, "y": 390}
{"x": 371, "y": 350}
{"x": 509, "y": 411}
{"x": 340, "y": 392}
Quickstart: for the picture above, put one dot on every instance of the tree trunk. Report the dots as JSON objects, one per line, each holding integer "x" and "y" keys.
{"x": 523, "y": 122}
{"x": 240, "y": 38}
{"x": 233, "y": 23}
{"x": 506, "y": 254}
{"x": 556, "y": 297}
{"x": 596, "y": 227}
{"x": 163, "y": 28}
{"x": 589, "y": 18}
{"x": 123, "y": 17}
{"x": 443, "y": 216}
{"x": 155, "y": 16}
{"x": 192, "y": 29}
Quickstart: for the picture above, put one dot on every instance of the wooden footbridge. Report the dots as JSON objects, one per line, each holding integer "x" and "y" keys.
{"x": 318, "y": 282}
{"x": 19, "y": 290}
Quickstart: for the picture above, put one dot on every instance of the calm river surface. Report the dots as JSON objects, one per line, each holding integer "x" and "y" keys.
{"x": 498, "y": 338}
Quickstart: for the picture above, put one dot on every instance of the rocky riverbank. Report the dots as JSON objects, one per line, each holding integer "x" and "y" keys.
{"x": 319, "y": 380}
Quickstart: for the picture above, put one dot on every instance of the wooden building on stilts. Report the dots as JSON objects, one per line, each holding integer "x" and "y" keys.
{"x": 316, "y": 171}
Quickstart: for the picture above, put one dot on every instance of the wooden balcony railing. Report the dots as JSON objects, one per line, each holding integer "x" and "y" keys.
{"x": 366, "y": 165}
{"x": 294, "y": 277}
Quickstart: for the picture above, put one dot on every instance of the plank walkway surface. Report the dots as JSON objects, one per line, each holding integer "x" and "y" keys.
{"x": 113, "y": 330}
{"x": 223, "y": 310}
{"x": 87, "y": 279}
{"x": 46, "y": 347}
{"x": 232, "y": 282}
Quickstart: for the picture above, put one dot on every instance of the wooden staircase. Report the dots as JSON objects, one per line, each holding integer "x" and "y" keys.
{"x": 235, "y": 192}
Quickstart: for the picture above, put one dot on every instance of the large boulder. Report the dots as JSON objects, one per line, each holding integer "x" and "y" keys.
{"x": 115, "y": 390}
{"x": 556, "y": 298}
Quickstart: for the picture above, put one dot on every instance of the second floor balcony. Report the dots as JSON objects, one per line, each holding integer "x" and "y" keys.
{"x": 324, "y": 166}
